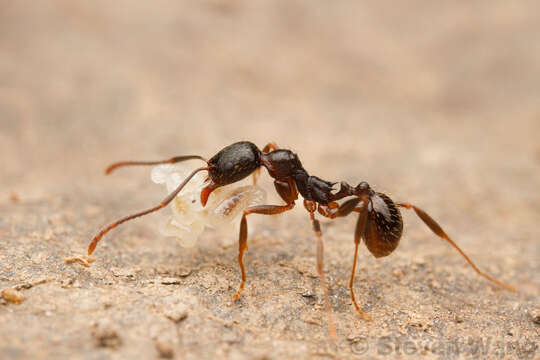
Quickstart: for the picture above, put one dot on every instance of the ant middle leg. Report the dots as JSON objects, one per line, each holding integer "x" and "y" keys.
{"x": 310, "y": 207}
{"x": 437, "y": 229}
{"x": 331, "y": 211}
{"x": 242, "y": 240}
{"x": 288, "y": 192}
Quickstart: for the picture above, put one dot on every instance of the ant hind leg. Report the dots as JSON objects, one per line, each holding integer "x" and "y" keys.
{"x": 358, "y": 234}
{"x": 436, "y": 228}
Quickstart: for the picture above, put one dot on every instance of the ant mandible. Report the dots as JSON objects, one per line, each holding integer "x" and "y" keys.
{"x": 379, "y": 219}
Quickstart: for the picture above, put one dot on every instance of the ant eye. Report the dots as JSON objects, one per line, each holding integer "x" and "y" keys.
{"x": 228, "y": 166}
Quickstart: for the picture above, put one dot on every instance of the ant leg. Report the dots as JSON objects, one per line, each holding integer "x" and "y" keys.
{"x": 436, "y": 228}
{"x": 332, "y": 210}
{"x": 358, "y": 234}
{"x": 172, "y": 160}
{"x": 288, "y": 192}
{"x": 164, "y": 203}
{"x": 271, "y": 146}
{"x": 310, "y": 206}
{"x": 347, "y": 207}
{"x": 242, "y": 240}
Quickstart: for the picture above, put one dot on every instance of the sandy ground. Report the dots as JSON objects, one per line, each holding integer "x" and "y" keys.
{"x": 436, "y": 104}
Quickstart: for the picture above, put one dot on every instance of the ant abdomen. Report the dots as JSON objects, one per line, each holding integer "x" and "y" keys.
{"x": 384, "y": 226}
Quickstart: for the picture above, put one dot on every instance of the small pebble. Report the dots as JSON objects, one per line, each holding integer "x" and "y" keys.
{"x": 119, "y": 272}
{"x": 184, "y": 272}
{"x": 170, "y": 281}
{"x": 84, "y": 260}
{"x": 29, "y": 285}
{"x": 398, "y": 273}
{"x": 165, "y": 349}
{"x": 176, "y": 313}
{"x": 106, "y": 335}
{"x": 12, "y": 295}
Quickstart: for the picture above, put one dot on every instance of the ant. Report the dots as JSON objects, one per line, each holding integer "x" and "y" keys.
{"x": 379, "y": 219}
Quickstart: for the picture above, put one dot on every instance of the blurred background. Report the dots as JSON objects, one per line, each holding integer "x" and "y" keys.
{"x": 353, "y": 87}
{"x": 436, "y": 103}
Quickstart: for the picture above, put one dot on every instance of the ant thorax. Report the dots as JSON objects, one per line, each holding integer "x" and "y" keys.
{"x": 189, "y": 218}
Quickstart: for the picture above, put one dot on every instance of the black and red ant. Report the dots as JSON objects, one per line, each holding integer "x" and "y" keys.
{"x": 379, "y": 219}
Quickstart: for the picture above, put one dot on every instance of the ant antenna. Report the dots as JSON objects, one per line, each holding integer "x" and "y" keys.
{"x": 436, "y": 228}
{"x": 164, "y": 203}
{"x": 172, "y": 160}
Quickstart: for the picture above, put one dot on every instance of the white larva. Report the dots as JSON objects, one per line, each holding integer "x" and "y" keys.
{"x": 189, "y": 218}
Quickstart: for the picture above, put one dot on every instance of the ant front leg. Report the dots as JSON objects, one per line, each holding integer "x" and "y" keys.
{"x": 288, "y": 192}
{"x": 271, "y": 146}
{"x": 436, "y": 228}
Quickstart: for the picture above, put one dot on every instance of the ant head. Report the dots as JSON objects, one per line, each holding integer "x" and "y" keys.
{"x": 234, "y": 163}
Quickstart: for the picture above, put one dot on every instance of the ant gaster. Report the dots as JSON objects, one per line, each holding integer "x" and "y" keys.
{"x": 379, "y": 220}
